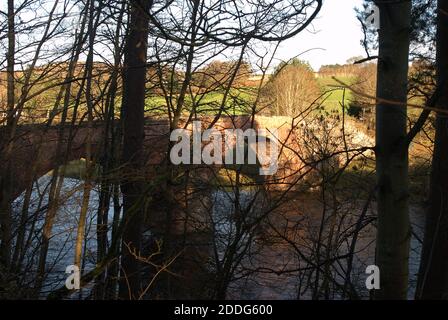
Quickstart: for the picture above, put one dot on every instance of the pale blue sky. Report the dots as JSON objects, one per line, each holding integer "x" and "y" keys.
{"x": 333, "y": 37}
{"x": 336, "y": 30}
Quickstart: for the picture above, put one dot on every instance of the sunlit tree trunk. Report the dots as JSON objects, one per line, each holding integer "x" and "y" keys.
{"x": 61, "y": 157}
{"x": 391, "y": 150}
{"x": 89, "y": 165}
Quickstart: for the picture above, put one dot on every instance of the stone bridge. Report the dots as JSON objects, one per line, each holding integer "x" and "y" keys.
{"x": 35, "y": 146}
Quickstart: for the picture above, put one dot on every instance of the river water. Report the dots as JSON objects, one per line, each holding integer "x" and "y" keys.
{"x": 261, "y": 285}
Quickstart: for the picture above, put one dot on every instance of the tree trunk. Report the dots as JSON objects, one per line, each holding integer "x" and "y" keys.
{"x": 10, "y": 62}
{"x": 433, "y": 273}
{"x": 391, "y": 150}
{"x": 134, "y": 77}
{"x": 5, "y": 178}
{"x": 92, "y": 26}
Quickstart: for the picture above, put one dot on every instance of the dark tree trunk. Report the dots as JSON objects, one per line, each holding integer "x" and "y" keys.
{"x": 392, "y": 151}
{"x": 134, "y": 77}
{"x": 5, "y": 178}
{"x": 433, "y": 273}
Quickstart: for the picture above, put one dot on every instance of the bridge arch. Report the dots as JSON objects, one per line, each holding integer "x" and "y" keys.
{"x": 35, "y": 148}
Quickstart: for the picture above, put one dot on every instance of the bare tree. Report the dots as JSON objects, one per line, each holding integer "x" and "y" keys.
{"x": 291, "y": 89}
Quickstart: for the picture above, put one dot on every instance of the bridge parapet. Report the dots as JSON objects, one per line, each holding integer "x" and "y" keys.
{"x": 35, "y": 147}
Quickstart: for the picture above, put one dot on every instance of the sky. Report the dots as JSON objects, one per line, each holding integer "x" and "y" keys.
{"x": 336, "y": 32}
{"x": 333, "y": 37}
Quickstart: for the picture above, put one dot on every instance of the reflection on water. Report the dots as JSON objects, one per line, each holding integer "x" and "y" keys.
{"x": 257, "y": 286}
{"x": 223, "y": 217}
{"x": 62, "y": 243}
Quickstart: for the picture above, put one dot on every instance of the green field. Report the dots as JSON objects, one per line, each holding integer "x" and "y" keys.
{"x": 335, "y": 93}
{"x": 238, "y": 102}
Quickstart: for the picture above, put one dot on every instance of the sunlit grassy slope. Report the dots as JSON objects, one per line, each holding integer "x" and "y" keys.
{"x": 240, "y": 101}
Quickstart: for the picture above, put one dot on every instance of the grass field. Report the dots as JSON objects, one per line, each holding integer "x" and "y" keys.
{"x": 335, "y": 96}
{"x": 240, "y": 101}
